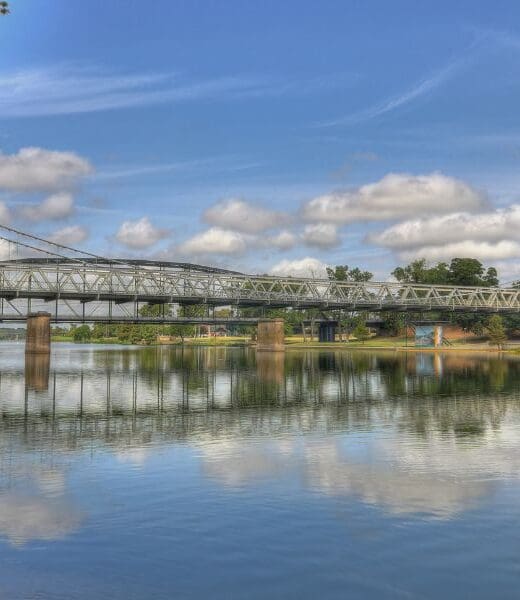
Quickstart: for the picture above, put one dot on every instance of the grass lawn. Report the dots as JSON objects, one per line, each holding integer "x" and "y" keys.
{"x": 232, "y": 340}
{"x": 296, "y": 342}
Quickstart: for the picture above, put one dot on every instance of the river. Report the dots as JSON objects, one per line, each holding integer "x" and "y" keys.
{"x": 158, "y": 473}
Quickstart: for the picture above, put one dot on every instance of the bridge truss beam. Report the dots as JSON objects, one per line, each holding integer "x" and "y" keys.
{"x": 109, "y": 292}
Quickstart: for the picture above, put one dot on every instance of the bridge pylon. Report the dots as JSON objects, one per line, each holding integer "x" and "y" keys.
{"x": 38, "y": 336}
{"x": 271, "y": 336}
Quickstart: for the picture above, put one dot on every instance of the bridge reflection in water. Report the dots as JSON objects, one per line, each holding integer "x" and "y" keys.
{"x": 450, "y": 424}
{"x": 212, "y": 383}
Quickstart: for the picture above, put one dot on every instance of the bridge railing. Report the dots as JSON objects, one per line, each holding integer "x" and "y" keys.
{"x": 121, "y": 283}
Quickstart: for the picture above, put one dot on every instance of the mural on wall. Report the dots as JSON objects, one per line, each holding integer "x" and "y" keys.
{"x": 428, "y": 336}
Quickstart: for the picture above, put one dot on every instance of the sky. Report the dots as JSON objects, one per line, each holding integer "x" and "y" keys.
{"x": 267, "y": 137}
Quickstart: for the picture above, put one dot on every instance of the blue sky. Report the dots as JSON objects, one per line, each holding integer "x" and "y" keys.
{"x": 264, "y": 136}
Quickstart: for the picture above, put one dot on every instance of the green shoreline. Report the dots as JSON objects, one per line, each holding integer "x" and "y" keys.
{"x": 387, "y": 345}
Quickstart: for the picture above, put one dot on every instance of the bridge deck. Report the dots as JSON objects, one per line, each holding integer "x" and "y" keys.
{"x": 114, "y": 291}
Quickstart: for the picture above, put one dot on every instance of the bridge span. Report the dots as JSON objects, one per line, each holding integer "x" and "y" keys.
{"x": 114, "y": 291}
{"x": 118, "y": 285}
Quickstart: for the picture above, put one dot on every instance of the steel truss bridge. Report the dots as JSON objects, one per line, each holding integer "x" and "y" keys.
{"x": 94, "y": 289}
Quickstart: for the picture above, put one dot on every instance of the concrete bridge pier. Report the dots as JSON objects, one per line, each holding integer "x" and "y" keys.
{"x": 38, "y": 337}
{"x": 271, "y": 335}
{"x": 327, "y": 331}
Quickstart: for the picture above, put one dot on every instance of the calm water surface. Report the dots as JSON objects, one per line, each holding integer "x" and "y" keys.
{"x": 217, "y": 473}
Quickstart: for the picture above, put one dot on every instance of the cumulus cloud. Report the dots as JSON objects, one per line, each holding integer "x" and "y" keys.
{"x": 304, "y": 267}
{"x": 321, "y": 235}
{"x": 284, "y": 240}
{"x": 5, "y": 214}
{"x": 245, "y": 217}
{"x": 481, "y": 250}
{"x": 214, "y": 241}
{"x": 8, "y": 250}
{"x": 69, "y": 236}
{"x": 37, "y": 169}
{"x": 219, "y": 241}
{"x": 487, "y": 236}
{"x": 395, "y": 196}
{"x": 509, "y": 271}
{"x": 55, "y": 207}
{"x": 487, "y": 227}
{"x": 140, "y": 234}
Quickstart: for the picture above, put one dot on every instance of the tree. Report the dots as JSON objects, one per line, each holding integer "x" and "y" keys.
{"x": 460, "y": 271}
{"x": 496, "y": 331}
{"x": 418, "y": 272}
{"x": 155, "y": 310}
{"x": 491, "y": 277}
{"x": 4, "y": 8}
{"x": 345, "y": 273}
{"x": 465, "y": 271}
{"x": 393, "y": 322}
{"x": 82, "y": 333}
{"x": 361, "y": 331}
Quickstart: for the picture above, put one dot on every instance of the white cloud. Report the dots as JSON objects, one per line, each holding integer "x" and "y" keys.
{"x": 284, "y": 240}
{"x": 508, "y": 270}
{"x": 305, "y": 267}
{"x": 140, "y": 234}
{"x": 483, "y": 251}
{"x": 489, "y": 227}
{"x": 55, "y": 207}
{"x": 5, "y": 214}
{"x": 491, "y": 235}
{"x": 321, "y": 235}
{"x": 214, "y": 241}
{"x": 239, "y": 215}
{"x": 37, "y": 169}
{"x": 69, "y": 236}
{"x": 8, "y": 250}
{"x": 395, "y": 196}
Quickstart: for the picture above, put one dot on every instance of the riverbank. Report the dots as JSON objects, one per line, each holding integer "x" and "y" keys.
{"x": 297, "y": 343}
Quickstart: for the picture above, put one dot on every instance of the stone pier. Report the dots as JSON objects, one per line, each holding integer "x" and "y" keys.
{"x": 38, "y": 337}
{"x": 271, "y": 335}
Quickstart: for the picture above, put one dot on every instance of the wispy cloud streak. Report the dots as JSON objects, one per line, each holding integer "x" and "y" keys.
{"x": 70, "y": 90}
{"x": 211, "y": 165}
{"x": 419, "y": 89}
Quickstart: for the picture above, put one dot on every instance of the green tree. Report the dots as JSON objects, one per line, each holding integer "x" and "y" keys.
{"x": 361, "y": 331}
{"x": 419, "y": 272}
{"x": 460, "y": 271}
{"x": 496, "y": 330}
{"x": 345, "y": 273}
{"x": 393, "y": 322}
{"x": 470, "y": 271}
{"x": 155, "y": 310}
{"x": 4, "y": 8}
{"x": 82, "y": 333}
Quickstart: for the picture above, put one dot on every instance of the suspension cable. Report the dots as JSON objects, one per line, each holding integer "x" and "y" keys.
{"x": 56, "y": 245}
{"x": 54, "y": 254}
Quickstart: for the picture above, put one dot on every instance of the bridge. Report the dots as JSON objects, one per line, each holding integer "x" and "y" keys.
{"x": 75, "y": 286}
